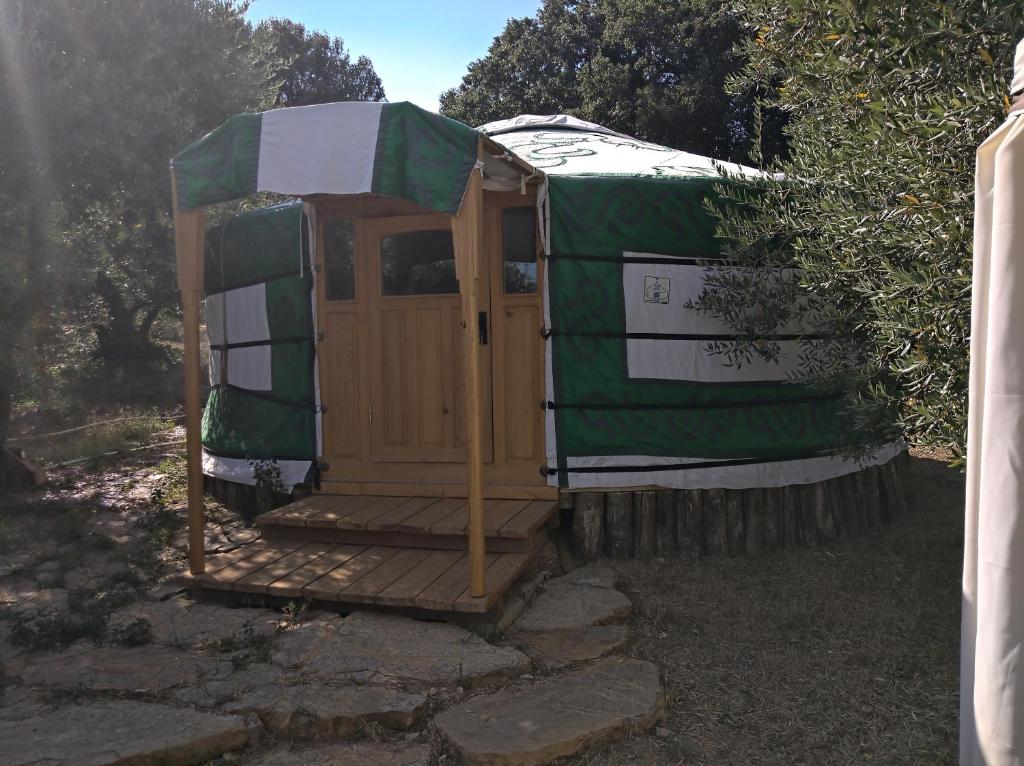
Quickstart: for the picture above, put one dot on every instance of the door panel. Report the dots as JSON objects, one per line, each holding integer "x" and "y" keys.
{"x": 415, "y": 355}
{"x": 392, "y": 375}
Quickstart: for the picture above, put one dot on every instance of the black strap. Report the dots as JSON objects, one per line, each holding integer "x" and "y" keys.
{"x": 548, "y": 332}
{"x": 549, "y": 471}
{"x": 270, "y": 342}
{"x": 711, "y": 404}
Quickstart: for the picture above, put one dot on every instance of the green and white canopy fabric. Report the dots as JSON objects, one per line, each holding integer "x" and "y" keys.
{"x": 397, "y": 150}
{"x": 260, "y": 323}
{"x": 635, "y": 395}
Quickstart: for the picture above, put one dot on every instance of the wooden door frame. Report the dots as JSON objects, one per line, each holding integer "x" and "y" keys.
{"x": 364, "y": 476}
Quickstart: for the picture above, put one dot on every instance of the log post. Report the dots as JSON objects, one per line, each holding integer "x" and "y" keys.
{"x": 734, "y": 526}
{"x": 467, "y": 233}
{"x": 189, "y": 234}
{"x": 823, "y": 514}
{"x": 753, "y": 520}
{"x": 690, "y": 521}
{"x": 790, "y": 536}
{"x": 714, "y": 522}
{"x": 645, "y": 523}
{"x": 667, "y": 524}
{"x": 588, "y": 523}
{"x": 618, "y": 516}
{"x": 771, "y": 498}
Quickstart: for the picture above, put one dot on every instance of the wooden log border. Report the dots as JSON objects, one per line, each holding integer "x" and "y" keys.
{"x": 737, "y": 522}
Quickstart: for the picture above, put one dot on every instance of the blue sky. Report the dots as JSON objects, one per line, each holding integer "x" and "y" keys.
{"x": 418, "y": 48}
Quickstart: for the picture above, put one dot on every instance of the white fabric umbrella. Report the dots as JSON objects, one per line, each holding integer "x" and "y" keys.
{"x": 992, "y": 640}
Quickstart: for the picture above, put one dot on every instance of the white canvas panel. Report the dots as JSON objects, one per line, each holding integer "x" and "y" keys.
{"x": 237, "y": 316}
{"x": 774, "y": 474}
{"x": 320, "y": 149}
{"x": 669, "y": 359}
{"x": 992, "y": 627}
{"x": 656, "y": 298}
{"x": 241, "y": 471}
{"x": 248, "y": 367}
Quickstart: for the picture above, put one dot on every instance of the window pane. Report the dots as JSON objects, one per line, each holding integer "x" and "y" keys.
{"x": 418, "y": 263}
{"x": 519, "y": 249}
{"x": 340, "y": 260}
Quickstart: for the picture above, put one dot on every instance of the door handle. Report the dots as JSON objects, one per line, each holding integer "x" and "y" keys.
{"x": 481, "y": 321}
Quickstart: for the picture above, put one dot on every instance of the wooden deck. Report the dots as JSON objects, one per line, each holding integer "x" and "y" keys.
{"x": 510, "y": 526}
{"x": 394, "y": 552}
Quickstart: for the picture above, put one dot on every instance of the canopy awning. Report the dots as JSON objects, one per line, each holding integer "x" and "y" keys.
{"x": 397, "y": 150}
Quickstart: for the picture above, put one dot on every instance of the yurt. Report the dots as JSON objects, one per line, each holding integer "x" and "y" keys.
{"x": 453, "y": 340}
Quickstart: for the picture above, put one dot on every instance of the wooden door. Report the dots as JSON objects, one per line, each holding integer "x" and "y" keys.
{"x": 415, "y": 355}
{"x": 391, "y": 353}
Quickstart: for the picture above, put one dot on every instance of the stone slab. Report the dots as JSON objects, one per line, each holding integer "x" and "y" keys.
{"x": 116, "y": 669}
{"x": 182, "y": 622}
{"x": 555, "y": 718}
{"x": 318, "y": 711}
{"x": 558, "y": 649}
{"x": 580, "y": 599}
{"x": 110, "y": 732}
{"x": 356, "y": 754}
{"x": 377, "y": 648}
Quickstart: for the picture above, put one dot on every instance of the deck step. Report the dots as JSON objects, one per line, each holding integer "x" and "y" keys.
{"x": 387, "y": 576}
{"x": 510, "y": 526}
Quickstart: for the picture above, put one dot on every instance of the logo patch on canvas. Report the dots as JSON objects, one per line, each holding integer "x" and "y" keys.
{"x": 656, "y": 289}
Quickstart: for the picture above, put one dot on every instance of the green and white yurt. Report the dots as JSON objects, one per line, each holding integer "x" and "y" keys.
{"x": 341, "y": 324}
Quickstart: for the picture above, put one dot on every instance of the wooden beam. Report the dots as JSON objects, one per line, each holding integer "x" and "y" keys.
{"x": 467, "y": 234}
{"x": 189, "y": 234}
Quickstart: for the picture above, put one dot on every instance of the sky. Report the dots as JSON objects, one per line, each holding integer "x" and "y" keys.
{"x": 419, "y": 48}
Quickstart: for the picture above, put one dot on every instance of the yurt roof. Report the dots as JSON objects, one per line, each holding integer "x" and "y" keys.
{"x": 401, "y": 150}
{"x": 564, "y": 145}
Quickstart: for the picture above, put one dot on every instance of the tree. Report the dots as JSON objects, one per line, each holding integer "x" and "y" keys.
{"x": 650, "y": 68}
{"x": 314, "y": 68}
{"x": 97, "y": 96}
{"x": 886, "y": 104}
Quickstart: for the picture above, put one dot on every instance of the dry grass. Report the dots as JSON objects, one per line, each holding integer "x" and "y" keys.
{"x": 112, "y": 433}
{"x": 843, "y": 654}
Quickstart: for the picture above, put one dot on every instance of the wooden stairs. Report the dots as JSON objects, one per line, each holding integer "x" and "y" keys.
{"x": 405, "y": 553}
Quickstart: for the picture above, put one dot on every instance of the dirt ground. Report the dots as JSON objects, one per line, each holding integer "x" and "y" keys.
{"x": 842, "y": 654}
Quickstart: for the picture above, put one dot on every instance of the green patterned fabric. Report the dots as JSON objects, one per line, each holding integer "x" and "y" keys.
{"x": 423, "y": 157}
{"x": 266, "y": 250}
{"x": 601, "y": 218}
{"x": 220, "y": 166}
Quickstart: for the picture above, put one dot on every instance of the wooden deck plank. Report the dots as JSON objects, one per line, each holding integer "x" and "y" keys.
{"x": 292, "y": 584}
{"x": 530, "y": 519}
{"x": 432, "y": 514}
{"x": 404, "y": 590}
{"x": 330, "y": 585}
{"x": 499, "y": 577}
{"x": 457, "y": 522}
{"x": 268, "y": 554}
{"x": 347, "y": 505}
{"x": 313, "y": 501}
{"x": 389, "y": 520}
{"x": 358, "y": 519}
{"x": 218, "y": 561}
{"x": 502, "y": 514}
{"x": 260, "y": 580}
{"x": 441, "y": 594}
{"x": 366, "y": 588}
{"x": 297, "y": 513}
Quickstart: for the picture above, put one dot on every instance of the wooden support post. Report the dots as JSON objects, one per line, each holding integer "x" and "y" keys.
{"x": 189, "y": 233}
{"x": 467, "y": 231}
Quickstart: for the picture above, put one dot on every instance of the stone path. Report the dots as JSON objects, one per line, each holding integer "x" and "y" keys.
{"x": 555, "y": 718}
{"x": 216, "y": 680}
{"x": 102, "y": 733}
